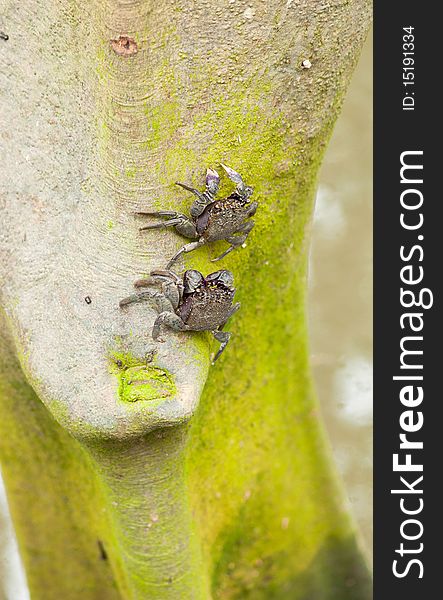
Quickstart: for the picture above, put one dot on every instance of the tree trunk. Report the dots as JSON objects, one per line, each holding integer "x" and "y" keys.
{"x": 204, "y": 482}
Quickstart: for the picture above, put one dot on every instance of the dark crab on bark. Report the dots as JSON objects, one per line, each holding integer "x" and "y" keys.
{"x": 211, "y": 220}
{"x": 191, "y": 303}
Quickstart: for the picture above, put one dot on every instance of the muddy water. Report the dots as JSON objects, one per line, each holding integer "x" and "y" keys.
{"x": 340, "y": 303}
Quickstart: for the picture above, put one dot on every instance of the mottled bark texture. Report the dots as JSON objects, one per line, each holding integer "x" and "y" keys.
{"x": 203, "y": 482}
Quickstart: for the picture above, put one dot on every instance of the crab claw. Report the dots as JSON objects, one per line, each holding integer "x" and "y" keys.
{"x": 225, "y": 277}
{"x": 212, "y": 180}
{"x": 192, "y": 280}
{"x": 245, "y": 191}
{"x": 233, "y": 175}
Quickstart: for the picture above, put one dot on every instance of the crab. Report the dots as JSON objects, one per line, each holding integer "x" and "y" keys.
{"x": 211, "y": 220}
{"x": 190, "y": 303}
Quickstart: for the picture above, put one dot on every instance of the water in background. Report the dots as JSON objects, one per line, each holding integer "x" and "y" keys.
{"x": 12, "y": 577}
{"x": 340, "y": 307}
{"x": 340, "y": 302}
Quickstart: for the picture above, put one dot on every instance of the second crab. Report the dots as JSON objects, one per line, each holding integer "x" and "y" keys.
{"x": 211, "y": 220}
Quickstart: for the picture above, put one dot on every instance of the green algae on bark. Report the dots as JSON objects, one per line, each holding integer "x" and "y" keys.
{"x": 140, "y": 380}
{"x": 55, "y": 498}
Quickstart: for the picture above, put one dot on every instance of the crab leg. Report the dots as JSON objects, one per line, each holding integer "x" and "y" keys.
{"x": 146, "y": 282}
{"x": 206, "y": 197}
{"x": 186, "y": 248}
{"x": 233, "y": 310}
{"x": 169, "y": 319}
{"x": 172, "y": 286}
{"x": 236, "y": 240}
{"x": 183, "y": 224}
{"x": 225, "y": 253}
{"x": 162, "y": 224}
{"x": 190, "y": 189}
{"x": 160, "y": 301}
{"x": 223, "y": 337}
{"x": 158, "y": 213}
{"x": 166, "y": 274}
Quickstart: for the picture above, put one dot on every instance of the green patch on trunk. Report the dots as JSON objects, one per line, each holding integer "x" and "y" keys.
{"x": 140, "y": 381}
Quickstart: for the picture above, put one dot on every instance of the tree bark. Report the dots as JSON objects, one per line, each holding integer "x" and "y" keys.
{"x": 206, "y": 482}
